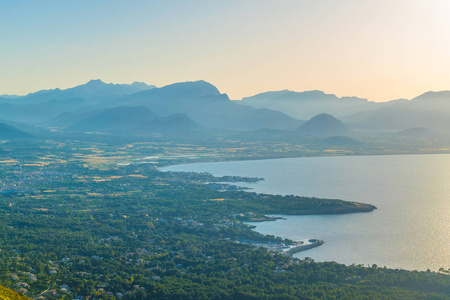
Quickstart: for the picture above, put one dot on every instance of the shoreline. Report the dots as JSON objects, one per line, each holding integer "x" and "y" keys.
{"x": 264, "y": 218}
{"x": 358, "y": 208}
{"x": 172, "y": 163}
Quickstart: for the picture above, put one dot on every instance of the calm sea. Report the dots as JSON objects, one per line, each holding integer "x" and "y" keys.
{"x": 409, "y": 230}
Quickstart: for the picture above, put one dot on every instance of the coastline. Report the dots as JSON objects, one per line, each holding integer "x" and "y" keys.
{"x": 358, "y": 208}
{"x": 161, "y": 163}
{"x": 349, "y": 208}
{"x": 309, "y": 217}
{"x": 258, "y": 219}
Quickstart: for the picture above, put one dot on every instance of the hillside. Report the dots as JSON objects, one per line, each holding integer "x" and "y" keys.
{"x": 175, "y": 123}
{"x": 8, "y": 294}
{"x": 134, "y": 120}
{"x": 36, "y": 112}
{"x": 116, "y": 119}
{"x": 416, "y": 133}
{"x": 10, "y": 132}
{"x": 323, "y": 125}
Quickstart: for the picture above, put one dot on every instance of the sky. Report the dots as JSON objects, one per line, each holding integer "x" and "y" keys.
{"x": 380, "y": 49}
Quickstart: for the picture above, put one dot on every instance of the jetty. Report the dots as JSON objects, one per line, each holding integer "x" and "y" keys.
{"x": 303, "y": 247}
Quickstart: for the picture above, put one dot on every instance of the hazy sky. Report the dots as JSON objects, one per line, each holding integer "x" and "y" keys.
{"x": 379, "y": 49}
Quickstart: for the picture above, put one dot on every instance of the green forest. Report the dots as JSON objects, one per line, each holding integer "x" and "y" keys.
{"x": 76, "y": 223}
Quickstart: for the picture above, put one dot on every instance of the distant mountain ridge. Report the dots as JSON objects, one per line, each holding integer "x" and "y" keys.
{"x": 36, "y": 112}
{"x": 304, "y": 105}
{"x": 430, "y": 110}
{"x": 206, "y": 106}
{"x": 203, "y": 103}
{"x": 200, "y": 101}
{"x": 433, "y": 96}
{"x": 93, "y": 90}
{"x": 47, "y": 104}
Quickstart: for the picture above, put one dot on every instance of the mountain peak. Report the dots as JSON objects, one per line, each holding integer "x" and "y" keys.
{"x": 324, "y": 117}
{"x": 200, "y": 87}
{"x": 142, "y": 85}
{"x": 431, "y": 95}
{"x": 189, "y": 89}
{"x": 95, "y": 82}
{"x": 323, "y": 125}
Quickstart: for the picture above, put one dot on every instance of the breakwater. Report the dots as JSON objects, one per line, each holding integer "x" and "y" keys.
{"x": 303, "y": 247}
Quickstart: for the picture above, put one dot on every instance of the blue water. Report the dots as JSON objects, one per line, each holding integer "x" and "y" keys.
{"x": 409, "y": 230}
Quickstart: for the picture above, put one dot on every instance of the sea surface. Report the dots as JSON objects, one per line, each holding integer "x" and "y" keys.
{"x": 409, "y": 230}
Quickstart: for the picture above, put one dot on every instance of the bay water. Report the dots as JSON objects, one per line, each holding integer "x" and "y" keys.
{"x": 410, "y": 228}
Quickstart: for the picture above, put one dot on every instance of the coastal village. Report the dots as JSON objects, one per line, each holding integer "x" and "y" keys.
{"x": 104, "y": 228}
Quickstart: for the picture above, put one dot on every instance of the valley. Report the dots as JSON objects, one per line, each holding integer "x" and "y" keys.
{"x": 86, "y": 212}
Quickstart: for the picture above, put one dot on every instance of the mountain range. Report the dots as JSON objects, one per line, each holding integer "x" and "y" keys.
{"x": 430, "y": 110}
{"x": 94, "y": 90}
{"x": 204, "y": 104}
{"x": 138, "y": 108}
{"x": 199, "y": 101}
{"x": 304, "y": 105}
